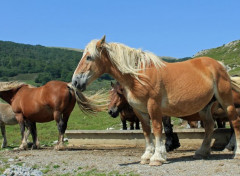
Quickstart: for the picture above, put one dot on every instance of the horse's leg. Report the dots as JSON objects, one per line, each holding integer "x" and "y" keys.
{"x": 232, "y": 142}
{"x": 131, "y": 125}
{"x": 149, "y": 146}
{"x": 160, "y": 154}
{"x": 171, "y": 141}
{"x": 62, "y": 126}
{"x": 168, "y": 133}
{"x": 3, "y": 130}
{"x": 204, "y": 150}
{"x": 124, "y": 124}
{"x": 33, "y": 130}
{"x": 24, "y": 140}
{"x": 137, "y": 124}
{"x": 224, "y": 96}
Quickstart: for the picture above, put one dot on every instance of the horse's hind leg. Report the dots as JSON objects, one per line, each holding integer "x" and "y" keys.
{"x": 224, "y": 96}
{"x": 62, "y": 126}
{"x": 3, "y": 130}
{"x": 208, "y": 122}
{"x": 33, "y": 130}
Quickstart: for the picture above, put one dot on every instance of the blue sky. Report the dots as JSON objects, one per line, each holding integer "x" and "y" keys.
{"x": 176, "y": 28}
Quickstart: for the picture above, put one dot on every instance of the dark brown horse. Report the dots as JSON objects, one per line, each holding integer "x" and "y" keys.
{"x": 119, "y": 105}
{"x": 53, "y": 101}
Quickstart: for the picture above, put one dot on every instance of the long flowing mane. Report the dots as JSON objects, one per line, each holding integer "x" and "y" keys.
{"x": 235, "y": 81}
{"x": 5, "y": 86}
{"x": 127, "y": 60}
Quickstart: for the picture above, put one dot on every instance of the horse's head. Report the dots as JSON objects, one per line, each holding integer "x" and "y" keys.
{"x": 117, "y": 100}
{"x": 91, "y": 66}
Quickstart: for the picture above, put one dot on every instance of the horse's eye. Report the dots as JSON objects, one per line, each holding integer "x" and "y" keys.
{"x": 89, "y": 58}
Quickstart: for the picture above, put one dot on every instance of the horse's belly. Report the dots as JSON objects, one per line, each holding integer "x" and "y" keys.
{"x": 41, "y": 115}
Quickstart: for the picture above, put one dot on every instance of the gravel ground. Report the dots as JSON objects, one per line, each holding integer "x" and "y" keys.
{"x": 120, "y": 160}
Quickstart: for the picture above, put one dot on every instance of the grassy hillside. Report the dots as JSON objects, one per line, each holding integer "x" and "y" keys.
{"x": 229, "y": 54}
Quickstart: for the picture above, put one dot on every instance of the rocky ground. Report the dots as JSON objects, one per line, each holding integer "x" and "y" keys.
{"x": 115, "y": 161}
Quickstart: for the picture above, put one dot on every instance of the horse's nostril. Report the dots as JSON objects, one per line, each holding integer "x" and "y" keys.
{"x": 110, "y": 112}
{"x": 75, "y": 83}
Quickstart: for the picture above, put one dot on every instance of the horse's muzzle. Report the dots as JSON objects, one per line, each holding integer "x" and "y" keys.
{"x": 113, "y": 114}
{"x": 80, "y": 82}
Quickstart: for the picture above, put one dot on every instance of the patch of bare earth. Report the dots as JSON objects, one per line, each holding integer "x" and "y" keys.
{"x": 124, "y": 161}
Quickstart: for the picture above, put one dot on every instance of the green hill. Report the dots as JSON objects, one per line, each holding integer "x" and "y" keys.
{"x": 229, "y": 54}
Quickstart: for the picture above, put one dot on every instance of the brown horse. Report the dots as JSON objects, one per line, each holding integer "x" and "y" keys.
{"x": 118, "y": 104}
{"x": 52, "y": 101}
{"x": 154, "y": 87}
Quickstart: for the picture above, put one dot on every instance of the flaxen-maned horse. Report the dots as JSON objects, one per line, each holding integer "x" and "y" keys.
{"x": 119, "y": 105}
{"x": 52, "y": 101}
{"x": 154, "y": 87}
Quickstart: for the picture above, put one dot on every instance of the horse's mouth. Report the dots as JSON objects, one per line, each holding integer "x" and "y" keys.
{"x": 114, "y": 115}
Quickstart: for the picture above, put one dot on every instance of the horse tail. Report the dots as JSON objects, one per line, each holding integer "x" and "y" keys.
{"x": 235, "y": 81}
{"x": 91, "y": 104}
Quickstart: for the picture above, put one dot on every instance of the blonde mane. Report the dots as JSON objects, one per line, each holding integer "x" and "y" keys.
{"x": 236, "y": 83}
{"x": 5, "y": 86}
{"x": 127, "y": 60}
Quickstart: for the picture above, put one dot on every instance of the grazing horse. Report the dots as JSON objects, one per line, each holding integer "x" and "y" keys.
{"x": 154, "y": 87}
{"x": 52, "y": 101}
{"x": 118, "y": 104}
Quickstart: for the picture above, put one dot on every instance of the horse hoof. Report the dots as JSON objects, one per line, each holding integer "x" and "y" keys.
{"x": 198, "y": 156}
{"x": 155, "y": 163}
{"x": 145, "y": 161}
{"x": 237, "y": 156}
{"x": 59, "y": 147}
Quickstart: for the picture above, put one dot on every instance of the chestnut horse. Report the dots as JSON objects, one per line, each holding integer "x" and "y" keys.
{"x": 154, "y": 87}
{"x": 52, "y": 101}
{"x": 118, "y": 104}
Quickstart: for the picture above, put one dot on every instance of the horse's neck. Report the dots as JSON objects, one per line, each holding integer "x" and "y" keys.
{"x": 124, "y": 79}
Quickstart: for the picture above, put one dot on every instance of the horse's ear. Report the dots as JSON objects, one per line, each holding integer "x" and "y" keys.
{"x": 101, "y": 42}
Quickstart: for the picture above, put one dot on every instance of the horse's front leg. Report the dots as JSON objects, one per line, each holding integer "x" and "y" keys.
{"x": 3, "y": 130}
{"x": 149, "y": 146}
{"x": 160, "y": 154}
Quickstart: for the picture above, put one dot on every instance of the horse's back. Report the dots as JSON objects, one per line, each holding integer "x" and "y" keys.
{"x": 39, "y": 104}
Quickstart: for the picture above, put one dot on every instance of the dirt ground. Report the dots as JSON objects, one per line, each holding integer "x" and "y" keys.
{"x": 126, "y": 161}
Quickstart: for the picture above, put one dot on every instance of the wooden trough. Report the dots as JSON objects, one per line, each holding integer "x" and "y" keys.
{"x": 135, "y": 138}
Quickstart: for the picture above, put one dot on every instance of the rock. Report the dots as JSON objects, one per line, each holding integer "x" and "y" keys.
{"x": 20, "y": 170}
